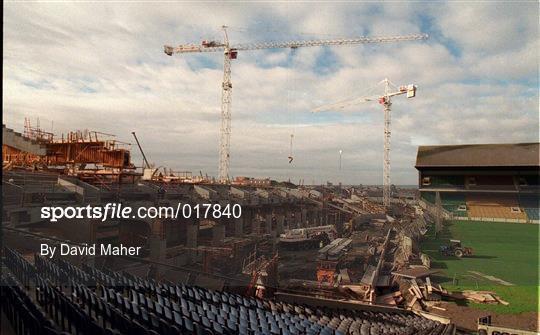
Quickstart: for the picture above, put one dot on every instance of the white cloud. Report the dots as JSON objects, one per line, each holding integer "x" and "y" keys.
{"x": 102, "y": 67}
{"x": 486, "y": 27}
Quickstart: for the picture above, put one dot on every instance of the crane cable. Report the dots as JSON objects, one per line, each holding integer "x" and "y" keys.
{"x": 290, "y": 153}
{"x": 291, "y": 119}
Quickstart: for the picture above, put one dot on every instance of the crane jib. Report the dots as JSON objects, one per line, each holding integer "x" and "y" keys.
{"x": 193, "y": 48}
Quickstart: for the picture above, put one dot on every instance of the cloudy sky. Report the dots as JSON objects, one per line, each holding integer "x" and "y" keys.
{"x": 101, "y": 66}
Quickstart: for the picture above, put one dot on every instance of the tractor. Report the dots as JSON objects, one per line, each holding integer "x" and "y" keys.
{"x": 455, "y": 249}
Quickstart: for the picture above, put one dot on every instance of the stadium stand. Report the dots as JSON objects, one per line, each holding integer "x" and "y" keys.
{"x": 488, "y": 180}
{"x": 428, "y": 196}
{"x": 531, "y": 205}
{"x": 532, "y": 213}
{"x": 494, "y": 206}
{"x": 73, "y": 300}
{"x": 452, "y": 202}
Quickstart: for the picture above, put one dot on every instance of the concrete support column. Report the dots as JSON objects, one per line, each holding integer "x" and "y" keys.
{"x": 192, "y": 233}
{"x": 268, "y": 223}
{"x": 247, "y": 217}
{"x": 158, "y": 247}
{"x": 256, "y": 224}
{"x": 239, "y": 227}
{"x": 290, "y": 219}
{"x": 218, "y": 234}
{"x": 15, "y": 218}
{"x": 304, "y": 217}
{"x": 312, "y": 215}
{"x": 325, "y": 217}
{"x": 298, "y": 219}
{"x": 280, "y": 222}
{"x": 229, "y": 226}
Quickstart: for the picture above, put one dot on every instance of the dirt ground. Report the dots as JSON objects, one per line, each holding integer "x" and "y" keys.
{"x": 466, "y": 317}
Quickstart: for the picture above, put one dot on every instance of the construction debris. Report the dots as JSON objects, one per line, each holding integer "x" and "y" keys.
{"x": 422, "y": 295}
{"x": 485, "y": 297}
{"x": 414, "y": 273}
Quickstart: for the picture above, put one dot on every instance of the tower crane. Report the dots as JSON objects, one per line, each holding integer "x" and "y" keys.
{"x": 390, "y": 90}
{"x": 230, "y": 52}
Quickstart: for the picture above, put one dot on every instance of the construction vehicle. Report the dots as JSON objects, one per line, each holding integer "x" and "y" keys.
{"x": 455, "y": 249}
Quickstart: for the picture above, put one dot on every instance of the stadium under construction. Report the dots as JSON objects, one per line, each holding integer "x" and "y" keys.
{"x": 300, "y": 259}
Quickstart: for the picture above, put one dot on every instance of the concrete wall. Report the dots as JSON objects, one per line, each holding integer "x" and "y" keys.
{"x": 17, "y": 141}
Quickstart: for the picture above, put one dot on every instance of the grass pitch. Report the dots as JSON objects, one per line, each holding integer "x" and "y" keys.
{"x": 506, "y": 251}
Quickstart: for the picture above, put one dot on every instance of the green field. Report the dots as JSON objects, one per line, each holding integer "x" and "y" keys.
{"x": 507, "y": 251}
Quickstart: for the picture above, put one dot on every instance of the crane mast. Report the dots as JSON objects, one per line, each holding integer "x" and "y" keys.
{"x": 387, "y": 104}
{"x": 226, "y": 102}
{"x": 230, "y": 53}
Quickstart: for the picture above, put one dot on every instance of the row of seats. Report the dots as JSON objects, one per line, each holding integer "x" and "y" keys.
{"x": 452, "y": 202}
{"x": 533, "y": 213}
{"x": 25, "y": 317}
{"x": 494, "y": 206}
{"x": 23, "y": 270}
{"x": 531, "y": 204}
{"x": 482, "y": 205}
{"x": 69, "y": 316}
{"x": 100, "y": 301}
